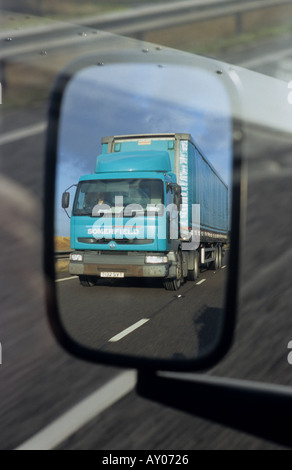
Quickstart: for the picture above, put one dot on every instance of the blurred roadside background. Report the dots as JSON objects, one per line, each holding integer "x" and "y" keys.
{"x": 231, "y": 37}
{"x": 214, "y": 36}
{"x": 39, "y": 381}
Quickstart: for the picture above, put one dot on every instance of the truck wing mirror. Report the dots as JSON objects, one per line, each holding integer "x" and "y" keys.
{"x": 65, "y": 200}
{"x": 143, "y": 313}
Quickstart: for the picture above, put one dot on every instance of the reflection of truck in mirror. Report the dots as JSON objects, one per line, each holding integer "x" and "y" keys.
{"x": 155, "y": 207}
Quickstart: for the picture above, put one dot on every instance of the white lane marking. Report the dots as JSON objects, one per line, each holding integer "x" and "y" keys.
{"x": 85, "y": 411}
{"x": 66, "y": 279}
{"x": 126, "y": 332}
{"x": 201, "y": 282}
{"x": 223, "y": 267}
{"x": 24, "y": 133}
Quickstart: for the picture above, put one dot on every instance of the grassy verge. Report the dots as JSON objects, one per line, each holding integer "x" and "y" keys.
{"x": 24, "y": 87}
{"x": 19, "y": 22}
{"x": 46, "y": 14}
{"x": 62, "y": 266}
{"x": 41, "y": 11}
{"x": 28, "y": 99}
{"x": 241, "y": 41}
{"x": 62, "y": 244}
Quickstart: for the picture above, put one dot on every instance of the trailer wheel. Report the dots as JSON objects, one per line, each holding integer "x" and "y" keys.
{"x": 215, "y": 264}
{"x": 87, "y": 281}
{"x": 174, "y": 284}
{"x": 193, "y": 274}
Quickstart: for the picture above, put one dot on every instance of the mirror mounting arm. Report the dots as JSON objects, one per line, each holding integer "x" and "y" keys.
{"x": 259, "y": 409}
{"x": 66, "y": 212}
{"x": 72, "y": 186}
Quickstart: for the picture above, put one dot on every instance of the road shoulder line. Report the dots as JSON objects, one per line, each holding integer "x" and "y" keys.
{"x": 85, "y": 411}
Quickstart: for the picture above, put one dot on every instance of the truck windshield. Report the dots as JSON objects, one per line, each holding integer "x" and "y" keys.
{"x": 112, "y": 196}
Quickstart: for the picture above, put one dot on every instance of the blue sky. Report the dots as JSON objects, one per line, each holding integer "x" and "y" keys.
{"x": 136, "y": 99}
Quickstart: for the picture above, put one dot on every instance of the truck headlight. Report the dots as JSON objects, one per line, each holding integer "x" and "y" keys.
{"x": 156, "y": 259}
{"x": 75, "y": 257}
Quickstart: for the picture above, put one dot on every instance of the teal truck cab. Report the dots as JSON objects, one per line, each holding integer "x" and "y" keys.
{"x": 154, "y": 208}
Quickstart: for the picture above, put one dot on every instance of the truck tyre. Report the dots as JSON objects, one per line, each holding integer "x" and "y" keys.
{"x": 193, "y": 274}
{"x": 174, "y": 284}
{"x": 219, "y": 257}
{"x": 215, "y": 264}
{"x": 87, "y": 281}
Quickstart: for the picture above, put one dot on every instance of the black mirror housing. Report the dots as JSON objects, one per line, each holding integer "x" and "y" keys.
{"x": 65, "y": 200}
{"x": 225, "y": 336}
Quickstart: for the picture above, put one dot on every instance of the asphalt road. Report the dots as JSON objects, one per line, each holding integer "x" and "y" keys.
{"x": 169, "y": 325}
{"x": 40, "y": 382}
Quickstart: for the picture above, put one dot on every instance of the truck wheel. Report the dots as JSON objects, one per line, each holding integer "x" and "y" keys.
{"x": 193, "y": 274}
{"x": 87, "y": 281}
{"x": 174, "y": 284}
{"x": 219, "y": 257}
{"x": 215, "y": 264}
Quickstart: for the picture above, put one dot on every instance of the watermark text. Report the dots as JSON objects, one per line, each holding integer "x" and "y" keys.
{"x": 141, "y": 223}
{"x": 290, "y": 354}
{"x": 290, "y": 93}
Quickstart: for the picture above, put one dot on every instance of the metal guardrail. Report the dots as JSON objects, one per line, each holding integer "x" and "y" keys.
{"x": 179, "y": 13}
{"x": 138, "y": 21}
{"x": 62, "y": 254}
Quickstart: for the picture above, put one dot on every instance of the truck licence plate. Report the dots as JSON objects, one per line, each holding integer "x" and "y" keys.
{"x": 119, "y": 275}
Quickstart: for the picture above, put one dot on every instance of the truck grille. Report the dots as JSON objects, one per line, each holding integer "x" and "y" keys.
{"x": 103, "y": 241}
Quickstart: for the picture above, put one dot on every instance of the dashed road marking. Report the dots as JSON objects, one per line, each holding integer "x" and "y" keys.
{"x": 129, "y": 330}
{"x": 67, "y": 279}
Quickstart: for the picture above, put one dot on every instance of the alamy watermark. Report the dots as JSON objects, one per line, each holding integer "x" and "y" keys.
{"x": 290, "y": 353}
{"x": 141, "y": 226}
{"x": 290, "y": 93}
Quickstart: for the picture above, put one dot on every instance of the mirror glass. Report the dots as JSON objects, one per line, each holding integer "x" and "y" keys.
{"x": 142, "y": 208}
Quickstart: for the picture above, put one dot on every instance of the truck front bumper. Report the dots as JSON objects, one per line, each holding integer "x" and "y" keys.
{"x": 128, "y": 264}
